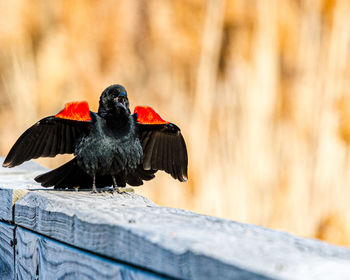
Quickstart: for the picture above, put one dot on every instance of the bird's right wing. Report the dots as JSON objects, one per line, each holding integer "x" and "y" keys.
{"x": 163, "y": 145}
{"x": 52, "y": 135}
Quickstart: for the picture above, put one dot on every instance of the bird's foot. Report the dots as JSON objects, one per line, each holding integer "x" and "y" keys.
{"x": 94, "y": 190}
{"x": 125, "y": 190}
{"x": 117, "y": 190}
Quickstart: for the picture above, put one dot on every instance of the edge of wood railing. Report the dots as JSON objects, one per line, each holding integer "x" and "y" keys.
{"x": 50, "y": 233}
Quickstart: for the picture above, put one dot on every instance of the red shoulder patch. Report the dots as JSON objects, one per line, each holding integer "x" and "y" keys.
{"x": 146, "y": 115}
{"x": 76, "y": 111}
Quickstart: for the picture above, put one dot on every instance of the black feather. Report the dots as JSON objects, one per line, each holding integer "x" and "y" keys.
{"x": 111, "y": 144}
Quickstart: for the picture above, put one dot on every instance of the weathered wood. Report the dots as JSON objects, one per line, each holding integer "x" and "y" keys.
{"x": 14, "y": 182}
{"x": 27, "y": 255}
{"x": 130, "y": 229}
{"x": 38, "y": 256}
{"x": 175, "y": 242}
{"x": 6, "y": 251}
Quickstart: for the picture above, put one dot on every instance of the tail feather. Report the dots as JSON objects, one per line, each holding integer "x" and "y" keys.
{"x": 139, "y": 175}
{"x": 68, "y": 175}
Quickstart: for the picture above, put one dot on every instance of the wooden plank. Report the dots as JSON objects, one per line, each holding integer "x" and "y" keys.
{"x": 43, "y": 258}
{"x": 14, "y": 182}
{"x": 27, "y": 255}
{"x": 176, "y": 242}
{"x": 6, "y": 251}
{"x": 169, "y": 241}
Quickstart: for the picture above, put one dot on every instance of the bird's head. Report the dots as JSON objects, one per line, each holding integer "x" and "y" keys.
{"x": 114, "y": 102}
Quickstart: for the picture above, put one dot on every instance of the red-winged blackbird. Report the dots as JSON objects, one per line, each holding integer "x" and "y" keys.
{"x": 111, "y": 147}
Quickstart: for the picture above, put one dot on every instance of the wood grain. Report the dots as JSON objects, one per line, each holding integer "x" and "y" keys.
{"x": 176, "y": 242}
{"x": 130, "y": 229}
{"x": 14, "y": 182}
{"x": 27, "y": 255}
{"x": 7, "y": 267}
{"x": 49, "y": 259}
{"x": 6, "y": 204}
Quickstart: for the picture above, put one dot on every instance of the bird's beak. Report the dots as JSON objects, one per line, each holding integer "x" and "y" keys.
{"x": 120, "y": 102}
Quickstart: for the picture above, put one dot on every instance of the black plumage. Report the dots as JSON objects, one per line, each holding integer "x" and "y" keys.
{"x": 111, "y": 147}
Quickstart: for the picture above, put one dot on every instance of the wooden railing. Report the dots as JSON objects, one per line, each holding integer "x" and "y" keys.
{"x": 48, "y": 234}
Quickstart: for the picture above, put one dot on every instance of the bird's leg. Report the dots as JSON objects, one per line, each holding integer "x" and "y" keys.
{"x": 115, "y": 186}
{"x": 94, "y": 190}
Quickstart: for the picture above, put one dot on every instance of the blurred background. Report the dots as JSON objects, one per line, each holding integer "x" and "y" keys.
{"x": 260, "y": 89}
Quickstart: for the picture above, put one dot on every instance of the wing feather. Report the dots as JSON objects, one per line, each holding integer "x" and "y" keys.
{"x": 172, "y": 170}
{"x": 166, "y": 156}
{"x": 37, "y": 144}
{"x": 155, "y": 151}
{"x": 162, "y": 153}
{"x": 47, "y": 138}
{"x": 54, "y": 143}
{"x": 163, "y": 145}
{"x": 147, "y": 160}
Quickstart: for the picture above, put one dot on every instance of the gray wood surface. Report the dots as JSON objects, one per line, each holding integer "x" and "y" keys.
{"x": 38, "y": 255}
{"x": 6, "y": 251}
{"x": 176, "y": 242}
{"x": 27, "y": 255}
{"x": 130, "y": 229}
{"x": 13, "y": 183}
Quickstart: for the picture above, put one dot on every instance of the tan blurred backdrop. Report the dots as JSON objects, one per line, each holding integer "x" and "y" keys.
{"x": 260, "y": 89}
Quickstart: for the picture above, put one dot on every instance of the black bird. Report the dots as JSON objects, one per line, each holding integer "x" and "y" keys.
{"x": 111, "y": 147}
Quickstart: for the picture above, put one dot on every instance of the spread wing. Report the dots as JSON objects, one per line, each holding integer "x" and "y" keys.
{"x": 163, "y": 145}
{"x": 52, "y": 135}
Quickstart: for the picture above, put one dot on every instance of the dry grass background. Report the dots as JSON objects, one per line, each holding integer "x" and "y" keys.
{"x": 261, "y": 90}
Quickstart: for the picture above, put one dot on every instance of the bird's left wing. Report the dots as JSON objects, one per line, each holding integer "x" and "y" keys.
{"x": 163, "y": 145}
{"x": 52, "y": 135}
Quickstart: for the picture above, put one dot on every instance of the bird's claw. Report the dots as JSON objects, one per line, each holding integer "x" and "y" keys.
{"x": 117, "y": 190}
{"x": 124, "y": 192}
{"x": 94, "y": 190}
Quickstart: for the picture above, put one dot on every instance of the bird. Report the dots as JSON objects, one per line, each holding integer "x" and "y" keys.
{"x": 112, "y": 147}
